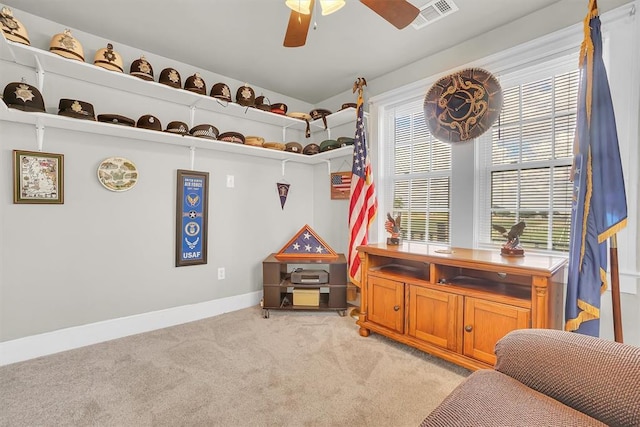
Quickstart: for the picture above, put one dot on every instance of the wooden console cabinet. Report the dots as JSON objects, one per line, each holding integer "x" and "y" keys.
{"x": 278, "y": 290}
{"x": 456, "y": 303}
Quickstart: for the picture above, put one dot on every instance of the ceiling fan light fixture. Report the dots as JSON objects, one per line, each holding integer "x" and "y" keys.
{"x": 300, "y": 6}
{"x": 330, "y": 6}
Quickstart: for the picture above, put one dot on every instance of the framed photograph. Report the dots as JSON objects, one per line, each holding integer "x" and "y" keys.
{"x": 38, "y": 177}
{"x": 192, "y": 200}
{"x": 340, "y": 185}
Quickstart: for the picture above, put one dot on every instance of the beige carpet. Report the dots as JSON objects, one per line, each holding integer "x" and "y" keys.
{"x": 237, "y": 369}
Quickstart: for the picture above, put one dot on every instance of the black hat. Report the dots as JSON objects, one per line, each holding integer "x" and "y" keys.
{"x": 116, "y": 119}
{"x": 260, "y": 104}
{"x": 149, "y": 122}
{"x": 23, "y": 97}
{"x": 170, "y": 77}
{"x": 177, "y": 127}
{"x": 236, "y": 137}
{"x": 196, "y": 84}
{"x": 245, "y": 96}
{"x": 76, "y": 109}
{"x": 205, "y": 131}
{"x": 141, "y": 68}
{"x": 221, "y": 91}
{"x": 348, "y": 105}
{"x": 312, "y": 148}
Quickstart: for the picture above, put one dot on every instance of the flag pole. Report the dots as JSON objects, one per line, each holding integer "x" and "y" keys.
{"x": 615, "y": 288}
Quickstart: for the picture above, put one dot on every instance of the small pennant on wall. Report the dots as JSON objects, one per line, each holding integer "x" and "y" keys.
{"x": 283, "y": 192}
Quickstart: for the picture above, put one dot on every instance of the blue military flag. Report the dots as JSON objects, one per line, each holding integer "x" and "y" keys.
{"x": 599, "y": 202}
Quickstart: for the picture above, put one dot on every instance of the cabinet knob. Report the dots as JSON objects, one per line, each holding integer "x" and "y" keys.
{"x": 468, "y": 328}
{"x": 396, "y": 307}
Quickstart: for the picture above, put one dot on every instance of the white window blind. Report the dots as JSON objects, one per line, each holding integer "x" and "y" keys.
{"x": 419, "y": 174}
{"x": 525, "y": 159}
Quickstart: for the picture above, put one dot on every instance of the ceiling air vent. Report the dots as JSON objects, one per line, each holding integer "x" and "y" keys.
{"x": 432, "y": 11}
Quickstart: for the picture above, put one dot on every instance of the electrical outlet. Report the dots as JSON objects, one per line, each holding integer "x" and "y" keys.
{"x": 221, "y": 273}
{"x": 230, "y": 181}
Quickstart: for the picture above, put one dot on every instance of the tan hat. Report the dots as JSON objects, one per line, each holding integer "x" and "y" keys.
{"x": 275, "y": 145}
{"x": 256, "y": 141}
{"x": 12, "y": 28}
{"x": 64, "y": 44}
{"x": 109, "y": 59}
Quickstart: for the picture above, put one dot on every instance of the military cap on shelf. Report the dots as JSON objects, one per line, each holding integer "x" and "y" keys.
{"x": 245, "y": 96}
{"x": 76, "y": 109}
{"x": 345, "y": 140}
{"x": 279, "y": 108}
{"x": 149, "y": 121}
{"x": 329, "y": 144}
{"x": 274, "y": 146}
{"x": 12, "y": 28}
{"x": 205, "y": 131}
{"x": 261, "y": 105}
{"x": 293, "y": 147}
{"x": 64, "y": 44}
{"x": 311, "y": 148}
{"x": 348, "y": 105}
{"x": 302, "y": 116}
{"x": 320, "y": 113}
{"x": 196, "y": 84}
{"x": 256, "y": 141}
{"x": 221, "y": 91}
{"x": 109, "y": 59}
{"x": 170, "y": 77}
{"x": 116, "y": 119}
{"x": 23, "y": 96}
{"x": 234, "y": 137}
{"x": 142, "y": 69}
{"x": 177, "y": 127}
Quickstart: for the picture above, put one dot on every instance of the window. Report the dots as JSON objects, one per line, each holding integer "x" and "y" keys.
{"x": 525, "y": 160}
{"x": 418, "y": 176}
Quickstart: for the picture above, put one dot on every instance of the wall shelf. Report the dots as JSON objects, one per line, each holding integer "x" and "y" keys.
{"x": 44, "y": 62}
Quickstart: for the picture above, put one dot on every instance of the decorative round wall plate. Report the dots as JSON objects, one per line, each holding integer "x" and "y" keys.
{"x": 463, "y": 105}
{"x": 117, "y": 174}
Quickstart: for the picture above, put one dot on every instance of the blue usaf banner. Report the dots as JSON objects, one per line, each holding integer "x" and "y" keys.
{"x": 191, "y": 217}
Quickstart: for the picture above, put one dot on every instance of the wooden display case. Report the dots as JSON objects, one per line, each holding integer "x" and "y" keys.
{"x": 456, "y": 303}
{"x": 278, "y": 290}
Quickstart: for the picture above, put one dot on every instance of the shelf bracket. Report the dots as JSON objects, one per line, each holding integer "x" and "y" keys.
{"x": 39, "y": 74}
{"x": 192, "y": 116}
{"x": 39, "y": 134}
{"x": 192, "y": 157}
{"x": 284, "y": 162}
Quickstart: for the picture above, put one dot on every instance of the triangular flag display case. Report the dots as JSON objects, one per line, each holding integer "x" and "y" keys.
{"x": 306, "y": 244}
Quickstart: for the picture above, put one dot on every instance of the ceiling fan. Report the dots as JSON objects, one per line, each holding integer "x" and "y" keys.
{"x": 399, "y": 13}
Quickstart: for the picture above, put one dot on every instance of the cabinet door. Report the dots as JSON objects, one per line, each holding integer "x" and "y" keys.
{"x": 485, "y": 322}
{"x": 385, "y": 300}
{"x": 435, "y": 317}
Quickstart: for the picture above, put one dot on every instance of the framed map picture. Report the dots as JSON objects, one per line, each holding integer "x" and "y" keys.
{"x": 38, "y": 177}
{"x": 192, "y": 201}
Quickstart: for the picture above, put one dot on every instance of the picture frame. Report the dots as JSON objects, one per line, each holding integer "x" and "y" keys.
{"x": 38, "y": 177}
{"x": 340, "y": 183}
{"x": 192, "y": 201}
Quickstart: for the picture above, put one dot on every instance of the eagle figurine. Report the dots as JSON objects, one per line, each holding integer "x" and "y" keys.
{"x": 393, "y": 227}
{"x": 512, "y": 246}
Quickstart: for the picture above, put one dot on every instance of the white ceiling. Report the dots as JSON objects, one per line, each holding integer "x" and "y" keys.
{"x": 243, "y": 39}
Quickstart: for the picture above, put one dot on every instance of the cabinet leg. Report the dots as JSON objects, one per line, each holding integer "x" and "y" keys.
{"x": 364, "y": 332}
{"x": 265, "y": 313}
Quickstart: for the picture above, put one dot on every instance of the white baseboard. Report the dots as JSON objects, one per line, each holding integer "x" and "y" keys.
{"x": 79, "y": 336}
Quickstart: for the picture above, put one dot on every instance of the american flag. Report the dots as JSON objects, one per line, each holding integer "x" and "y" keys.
{"x": 363, "y": 205}
{"x": 341, "y": 180}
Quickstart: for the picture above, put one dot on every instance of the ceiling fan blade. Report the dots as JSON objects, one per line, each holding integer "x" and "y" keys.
{"x": 399, "y": 13}
{"x": 298, "y": 28}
